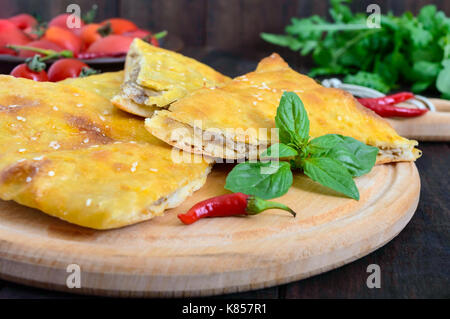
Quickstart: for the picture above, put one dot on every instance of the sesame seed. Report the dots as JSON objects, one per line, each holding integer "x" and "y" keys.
{"x": 21, "y": 160}
{"x": 102, "y": 118}
{"x": 88, "y": 202}
{"x": 22, "y": 150}
{"x": 254, "y": 102}
{"x": 20, "y": 118}
{"x": 28, "y": 179}
{"x": 33, "y": 138}
{"x": 86, "y": 140}
{"x": 153, "y": 169}
{"x": 55, "y": 108}
{"x": 79, "y": 104}
{"x": 76, "y": 94}
{"x": 51, "y": 173}
{"x": 38, "y": 158}
{"x": 54, "y": 144}
{"x": 133, "y": 167}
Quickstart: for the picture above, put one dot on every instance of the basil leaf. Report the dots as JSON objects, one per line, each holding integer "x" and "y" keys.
{"x": 292, "y": 120}
{"x": 322, "y": 144}
{"x": 263, "y": 179}
{"x": 279, "y": 150}
{"x": 357, "y": 157}
{"x": 332, "y": 174}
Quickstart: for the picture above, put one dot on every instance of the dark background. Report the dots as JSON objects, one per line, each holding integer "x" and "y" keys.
{"x": 225, "y": 35}
{"x": 222, "y": 24}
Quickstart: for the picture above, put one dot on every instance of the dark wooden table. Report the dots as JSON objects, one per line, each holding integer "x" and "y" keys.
{"x": 415, "y": 264}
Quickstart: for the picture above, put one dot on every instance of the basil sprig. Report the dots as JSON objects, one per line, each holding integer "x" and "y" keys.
{"x": 331, "y": 160}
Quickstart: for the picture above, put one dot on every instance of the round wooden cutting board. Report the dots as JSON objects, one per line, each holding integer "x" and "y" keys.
{"x": 163, "y": 257}
{"x": 433, "y": 126}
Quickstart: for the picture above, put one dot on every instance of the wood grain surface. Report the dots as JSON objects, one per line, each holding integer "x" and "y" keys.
{"x": 415, "y": 264}
{"x": 432, "y": 126}
{"x": 224, "y": 24}
{"x": 164, "y": 258}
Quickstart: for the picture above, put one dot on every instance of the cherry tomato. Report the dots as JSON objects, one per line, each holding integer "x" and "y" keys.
{"x": 31, "y": 33}
{"x": 41, "y": 44}
{"x": 111, "y": 44}
{"x": 10, "y": 34}
{"x": 23, "y": 21}
{"x": 65, "y": 68}
{"x": 63, "y": 38}
{"x": 61, "y": 22}
{"x": 139, "y": 33}
{"x": 120, "y": 25}
{"x": 22, "y": 71}
{"x": 89, "y": 34}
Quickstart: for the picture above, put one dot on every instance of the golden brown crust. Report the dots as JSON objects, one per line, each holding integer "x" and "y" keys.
{"x": 71, "y": 154}
{"x": 155, "y": 77}
{"x": 128, "y": 105}
{"x": 250, "y": 101}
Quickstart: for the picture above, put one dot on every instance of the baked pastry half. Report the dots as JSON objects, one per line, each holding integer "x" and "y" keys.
{"x": 236, "y": 121}
{"x": 70, "y": 153}
{"x": 155, "y": 78}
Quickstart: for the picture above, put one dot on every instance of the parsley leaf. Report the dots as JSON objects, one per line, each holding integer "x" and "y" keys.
{"x": 406, "y": 50}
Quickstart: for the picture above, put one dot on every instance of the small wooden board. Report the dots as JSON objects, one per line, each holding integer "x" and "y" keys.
{"x": 165, "y": 258}
{"x": 432, "y": 126}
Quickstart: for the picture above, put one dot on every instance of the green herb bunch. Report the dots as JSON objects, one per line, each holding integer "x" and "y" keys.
{"x": 405, "y": 50}
{"x": 331, "y": 160}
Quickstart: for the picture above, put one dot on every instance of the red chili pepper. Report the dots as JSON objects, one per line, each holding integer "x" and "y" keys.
{"x": 384, "y": 106}
{"x": 391, "y": 99}
{"x": 229, "y": 205}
